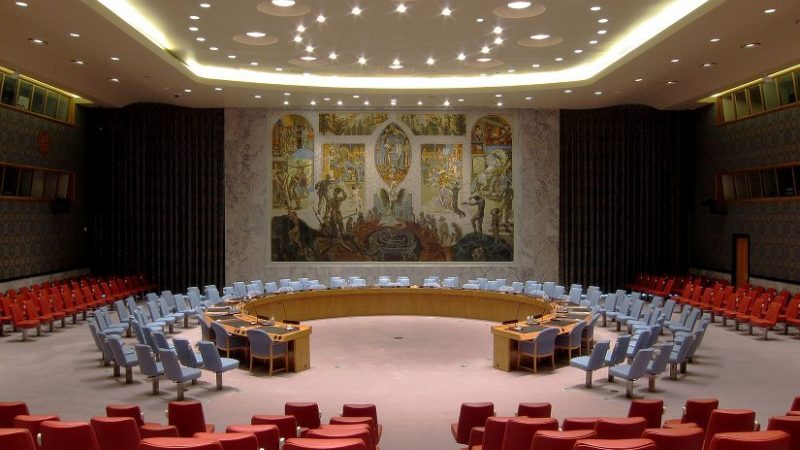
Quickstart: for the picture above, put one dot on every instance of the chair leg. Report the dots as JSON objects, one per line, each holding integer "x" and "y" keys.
{"x": 180, "y": 391}
{"x": 766, "y": 330}
{"x": 185, "y": 321}
{"x": 39, "y": 330}
{"x": 116, "y": 370}
{"x": 629, "y": 389}
{"x": 651, "y": 383}
{"x": 155, "y": 385}
{"x": 219, "y": 381}
{"x": 588, "y": 379}
{"x": 673, "y": 371}
{"x": 171, "y": 328}
{"x": 271, "y": 361}
{"x": 553, "y": 360}
{"x": 683, "y": 367}
{"x": 749, "y": 328}
{"x": 128, "y": 375}
{"x": 251, "y": 363}
{"x": 610, "y": 377}
{"x": 24, "y": 334}
{"x": 64, "y": 322}
{"x": 50, "y": 327}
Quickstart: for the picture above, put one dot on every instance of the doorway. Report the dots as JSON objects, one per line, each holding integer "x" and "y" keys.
{"x": 741, "y": 260}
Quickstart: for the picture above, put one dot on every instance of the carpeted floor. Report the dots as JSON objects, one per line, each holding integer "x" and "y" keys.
{"x": 418, "y": 370}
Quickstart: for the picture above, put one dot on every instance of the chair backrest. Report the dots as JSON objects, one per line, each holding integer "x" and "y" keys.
{"x": 576, "y": 334}
{"x": 211, "y": 359}
{"x": 659, "y": 363}
{"x": 727, "y": 421}
{"x": 159, "y": 339}
{"x": 549, "y": 287}
{"x": 9, "y": 410}
{"x": 636, "y": 309}
{"x": 639, "y": 364}
{"x": 494, "y": 430}
{"x": 655, "y": 316}
{"x": 16, "y": 438}
{"x": 306, "y": 413}
{"x": 535, "y": 409}
{"x": 752, "y": 440}
{"x": 239, "y": 289}
{"x": 546, "y": 341}
{"x": 187, "y": 416}
{"x": 172, "y": 367}
{"x": 669, "y": 308}
{"x": 593, "y": 297}
{"x": 788, "y": 424}
{"x": 116, "y": 433}
{"x": 624, "y": 306}
{"x": 598, "y": 356}
{"x": 260, "y": 342}
{"x": 558, "y": 292}
{"x": 117, "y": 350}
{"x": 194, "y": 299}
{"x": 693, "y": 316}
{"x": 122, "y": 311}
{"x": 126, "y": 410}
{"x": 147, "y": 364}
{"x": 472, "y": 415}
{"x": 153, "y": 309}
{"x": 184, "y": 351}
{"x": 679, "y": 355}
{"x": 221, "y": 337}
{"x": 650, "y": 409}
{"x": 204, "y": 330}
{"x": 57, "y": 435}
{"x": 620, "y": 427}
{"x": 611, "y": 302}
{"x": 165, "y": 307}
{"x": 641, "y": 342}
{"x": 520, "y": 430}
{"x": 620, "y": 350}
{"x": 575, "y": 294}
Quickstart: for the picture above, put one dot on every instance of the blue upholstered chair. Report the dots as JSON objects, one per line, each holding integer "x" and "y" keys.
{"x": 617, "y": 356}
{"x": 123, "y": 357}
{"x": 592, "y": 362}
{"x": 681, "y": 320}
{"x": 689, "y": 325}
{"x": 622, "y": 308}
{"x": 610, "y": 304}
{"x": 148, "y": 365}
{"x": 575, "y": 292}
{"x": 549, "y": 287}
{"x": 105, "y": 352}
{"x": 543, "y": 346}
{"x": 658, "y": 365}
{"x": 186, "y": 355}
{"x": 639, "y": 341}
{"x": 518, "y": 286}
{"x": 226, "y": 341}
{"x": 679, "y": 356}
{"x": 558, "y": 292}
{"x": 239, "y": 289}
{"x": 123, "y": 313}
{"x": 213, "y": 362}
{"x": 175, "y": 372}
{"x": 212, "y": 297}
{"x": 592, "y": 297}
{"x": 633, "y": 371}
{"x": 171, "y": 311}
{"x": 263, "y": 347}
{"x": 637, "y": 305}
{"x": 157, "y": 316}
{"x": 572, "y": 340}
{"x": 587, "y": 337}
{"x": 160, "y": 340}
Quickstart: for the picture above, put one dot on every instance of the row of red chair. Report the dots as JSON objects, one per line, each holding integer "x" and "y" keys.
{"x": 666, "y": 285}
{"x": 131, "y": 284}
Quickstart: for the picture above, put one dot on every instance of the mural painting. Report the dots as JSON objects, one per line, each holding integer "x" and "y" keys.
{"x": 435, "y": 124}
{"x": 441, "y": 177}
{"x": 292, "y": 163}
{"x": 350, "y": 124}
{"x": 392, "y": 154}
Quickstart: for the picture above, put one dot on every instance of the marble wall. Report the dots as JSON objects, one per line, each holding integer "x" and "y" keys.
{"x": 248, "y": 185}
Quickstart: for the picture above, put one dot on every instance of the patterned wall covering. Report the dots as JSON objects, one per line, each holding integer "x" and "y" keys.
{"x": 345, "y": 149}
{"x": 774, "y": 227}
{"x": 33, "y": 240}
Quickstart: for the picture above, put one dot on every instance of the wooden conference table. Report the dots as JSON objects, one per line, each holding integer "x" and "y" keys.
{"x": 374, "y": 301}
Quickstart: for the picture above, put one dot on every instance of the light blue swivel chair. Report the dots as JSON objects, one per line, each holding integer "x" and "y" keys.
{"x": 649, "y": 318}
{"x": 177, "y": 373}
{"x": 698, "y": 337}
{"x": 658, "y": 365}
{"x": 657, "y": 302}
{"x": 253, "y": 290}
{"x": 131, "y": 303}
{"x": 259, "y": 284}
{"x": 102, "y": 326}
{"x": 592, "y": 362}
{"x": 169, "y": 298}
{"x": 239, "y": 289}
{"x": 610, "y": 304}
{"x": 687, "y": 326}
{"x": 213, "y": 362}
{"x": 529, "y": 287}
{"x": 196, "y": 303}
{"x": 518, "y": 286}
{"x": 622, "y": 308}
{"x": 558, "y": 293}
{"x": 592, "y": 298}
{"x": 679, "y": 356}
{"x": 681, "y": 320}
{"x": 587, "y": 337}
{"x": 123, "y": 313}
{"x": 669, "y": 308}
{"x": 155, "y": 316}
{"x": 186, "y": 355}
{"x": 105, "y": 352}
{"x": 549, "y": 288}
{"x": 575, "y": 292}
{"x": 160, "y": 340}
{"x": 213, "y": 297}
{"x": 148, "y": 338}
{"x": 148, "y": 365}
{"x": 572, "y": 340}
{"x": 226, "y": 341}
{"x": 186, "y": 310}
{"x": 171, "y": 311}
{"x": 617, "y": 356}
{"x": 543, "y": 346}
{"x": 639, "y": 341}
{"x": 263, "y": 347}
{"x": 633, "y": 371}
{"x": 637, "y": 305}
{"x": 123, "y": 357}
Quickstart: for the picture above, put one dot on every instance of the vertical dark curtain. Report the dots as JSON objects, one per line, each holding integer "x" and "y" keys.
{"x": 158, "y": 193}
{"x": 624, "y": 187}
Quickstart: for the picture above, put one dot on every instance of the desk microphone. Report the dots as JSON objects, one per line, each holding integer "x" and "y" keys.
{"x": 284, "y": 312}
{"x": 516, "y": 316}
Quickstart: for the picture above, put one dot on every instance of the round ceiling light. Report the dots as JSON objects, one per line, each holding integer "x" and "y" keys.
{"x": 283, "y": 3}
{"x": 256, "y": 34}
{"x": 519, "y": 5}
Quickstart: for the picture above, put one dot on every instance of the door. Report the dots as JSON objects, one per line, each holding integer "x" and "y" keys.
{"x": 741, "y": 260}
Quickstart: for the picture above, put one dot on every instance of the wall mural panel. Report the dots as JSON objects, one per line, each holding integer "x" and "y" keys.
{"x": 350, "y": 124}
{"x": 434, "y": 210}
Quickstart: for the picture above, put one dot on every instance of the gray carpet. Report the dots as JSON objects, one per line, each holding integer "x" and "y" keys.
{"x": 418, "y": 370}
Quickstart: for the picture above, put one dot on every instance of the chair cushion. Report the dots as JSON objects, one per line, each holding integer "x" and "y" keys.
{"x": 173, "y": 443}
{"x": 751, "y": 440}
{"x": 615, "y": 444}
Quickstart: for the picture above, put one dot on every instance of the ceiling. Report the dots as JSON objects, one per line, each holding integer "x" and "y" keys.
{"x": 589, "y": 53}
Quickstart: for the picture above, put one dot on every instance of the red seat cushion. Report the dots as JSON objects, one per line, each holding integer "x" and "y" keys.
{"x": 324, "y": 444}
{"x": 684, "y": 438}
{"x": 559, "y": 440}
{"x": 232, "y": 441}
{"x": 615, "y": 444}
{"x": 751, "y": 440}
{"x": 173, "y": 443}
{"x": 268, "y": 436}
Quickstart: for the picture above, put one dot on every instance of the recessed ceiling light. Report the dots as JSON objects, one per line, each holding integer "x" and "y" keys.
{"x": 396, "y": 64}
{"x": 714, "y": 40}
{"x": 595, "y": 8}
{"x": 604, "y": 20}
{"x": 540, "y": 37}
{"x": 674, "y": 60}
{"x": 217, "y": 89}
{"x": 362, "y": 60}
{"x": 672, "y": 82}
{"x": 483, "y": 60}
{"x": 301, "y": 28}
{"x": 499, "y": 103}
{"x": 536, "y": 66}
{"x": 708, "y": 65}
{"x": 355, "y": 11}
{"x": 393, "y": 101}
{"x": 287, "y": 94}
{"x": 339, "y": 102}
{"x": 213, "y": 49}
{"x": 497, "y": 30}
{"x": 75, "y": 35}
{"x": 286, "y": 102}
{"x": 194, "y": 17}
{"x": 308, "y": 58}
{"x": 194, "y": 29}
{"x": 309, "y": 48}
{"x": 187, "y": 90}
{"x": 769, "y": 11}
{"x": 37, "y": 41}
{"x": 498, "y": 40}
{"x": 332, "y": 55}
{"x": 78, "y": 62}
{"x": 200, "y": 39}
{"x": 231, "y": 56}
{"x": 602, "y": 31}
{"x": 419, "y": 102}
{"x": 313, "y": 102}
{"x": 254, "y": 63}
{"x": 279, "y": 69}
{"x": 479, "y": 19}
{"x": 559, "y": 59}
{"x": 356, "y": 96}
{"x": 430, "y": 61}
{"x": 256, "y": 96}
{"x": 511, "y": 70}
{"x": 528, "y": 98}
{"x": 401, "y": 8}
{"x": 751, "y": 44}
{"x": 366, "y": 102}
{"x": 320, "y": 18}
{"x": 577, "y": 50}
{"x": 298, "y": 38}
{"x": 446, "y": 11}
{"x": 205, "y": 5}
{"x": 283, "y": 3}
{"x": 114, "y": 58}
{"x": 22, "y": 4}
{"x": 114, "y": 80}
{"x": 446, "y": 103}
{"x": 461, "y": 57}
{"x": 498, "y": 95}
{"x": 519, "y": 5}
{"x": 256, "y": 34}
{"x": 598, "y": 92}
{"x": 460, "y": 100}
{"x": 485, "y": 49}
{"x": 568, "y": 91}
{"x": 638, "y": 80}
{"x": 593, "y": 42}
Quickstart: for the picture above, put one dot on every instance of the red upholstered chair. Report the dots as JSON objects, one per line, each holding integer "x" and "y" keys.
{"x": 155, "y": 431}
{"x": 187, "y": 416}
{"x": 696, "y": 411}
{"x": 339, "y": 420}
{"x": 650, "y": 409}
{"x": 579, "y": 423}
{"x": 268, "y": 436}
{"x": 33, "y": 422}
{"x": 520, "y": 430}
{"x": 615, "y": 444}
{"x": 179, "y": 443}
{"x": 124, "y": 410}
{"x": 16, "y": 438}
{"x": 9, "y": 410}
{"x": 287, "y": 425}
{"x": 324, "y": 444}
{"x": 362, "y": 432}
{"x": 362, "y": 410}
{"x": 795, "y": 404}
{"x": 471, "y": 415}
{"x": 788, "y": 424}
{"x": 729, "y": 421}
{"x": 116, "y": 433}
{"x": 751, "y": 440}
{"x": 493, "y": 432}
{"x": 559, "y": 440}
{"x": 232, "y": 441}
{"x": 620, "y": 427}
{"x": 57, "y": 435}
{"x": 685, "y": 438}
{"x": 306, "y": 413}
{"x": 20, "y": 323}
{"x": 535, "y": 409}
